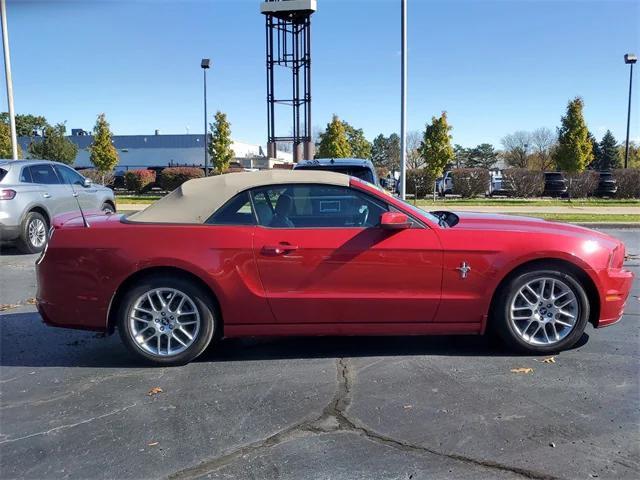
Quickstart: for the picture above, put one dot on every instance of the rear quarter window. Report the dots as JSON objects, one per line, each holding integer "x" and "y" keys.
{"x": 3, "y": 173}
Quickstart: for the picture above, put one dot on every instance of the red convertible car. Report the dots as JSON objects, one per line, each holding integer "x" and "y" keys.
{"x": 321, "y": 253}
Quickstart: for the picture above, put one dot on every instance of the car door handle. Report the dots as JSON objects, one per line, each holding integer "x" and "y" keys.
{"x": 75, "y": 194}
{"x": 46, "y": 195}
{"x": 280, "y": 249}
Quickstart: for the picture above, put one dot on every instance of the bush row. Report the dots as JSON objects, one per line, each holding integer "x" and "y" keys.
{"x": 168, "y": 179}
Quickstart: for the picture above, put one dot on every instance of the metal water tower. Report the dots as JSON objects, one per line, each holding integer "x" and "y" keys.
{"x": 288, "y": 29}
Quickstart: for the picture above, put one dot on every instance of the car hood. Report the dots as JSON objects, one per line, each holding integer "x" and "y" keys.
{"x": 514, "y": 223}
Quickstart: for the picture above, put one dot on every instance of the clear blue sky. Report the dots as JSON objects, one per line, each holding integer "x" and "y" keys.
{"x": 495, "y": 66}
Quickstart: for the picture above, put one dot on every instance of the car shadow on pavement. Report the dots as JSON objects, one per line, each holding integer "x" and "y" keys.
{"x": 26, "y": 341}
{"x": 275, "y": 348}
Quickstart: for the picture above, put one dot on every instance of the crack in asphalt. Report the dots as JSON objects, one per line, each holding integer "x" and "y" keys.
{"x": 334, "y": 419}
{"x": 70, "y": 425}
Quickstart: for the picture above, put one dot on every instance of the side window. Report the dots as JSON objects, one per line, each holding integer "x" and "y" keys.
{"x": 237, "y": 211}
{"x": 69, "y": 176}
{"x": 43, "y": 174}
{"x": 316, "y": 206}
{"x": 25, "y": 175}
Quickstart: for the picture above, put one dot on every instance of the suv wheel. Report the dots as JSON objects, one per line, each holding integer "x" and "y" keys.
{"x": 33, "y": 236}
{"x": 108, "y": 208}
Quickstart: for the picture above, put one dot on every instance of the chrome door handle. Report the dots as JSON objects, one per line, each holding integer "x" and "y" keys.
{"x": 46, "y": 195}
{"x": 75, "y": 194}
{"x": 280, "y": 249}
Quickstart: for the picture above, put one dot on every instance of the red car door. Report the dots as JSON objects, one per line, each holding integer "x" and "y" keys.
{"x": 322, "y": 258}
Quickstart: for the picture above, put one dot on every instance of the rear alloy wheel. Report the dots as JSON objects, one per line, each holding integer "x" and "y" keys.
{"x": 542, "y": 311}
{"x": 33, "y": 237}
{"x": 166, "y": 321}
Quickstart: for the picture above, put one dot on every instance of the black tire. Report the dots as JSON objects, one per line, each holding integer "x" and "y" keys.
{"x": 501, "y": 324}
{"x": 108, "y": 208}
{"x": 204, "y": 304}
{"x": 25, "y": 242}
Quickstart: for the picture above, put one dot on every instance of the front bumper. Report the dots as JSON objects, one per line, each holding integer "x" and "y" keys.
{"x": 617, "y": 286}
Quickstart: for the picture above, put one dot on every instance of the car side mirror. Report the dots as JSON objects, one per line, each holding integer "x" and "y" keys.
{"x": 394, "y": 221}
{"x": 87, "y": 182}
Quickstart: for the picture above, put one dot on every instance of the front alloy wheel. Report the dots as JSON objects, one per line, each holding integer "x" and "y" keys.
{"x": 544, "y": 311}
{"x": 541, "y": 311}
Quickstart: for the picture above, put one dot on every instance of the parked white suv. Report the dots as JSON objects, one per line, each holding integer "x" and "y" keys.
{"x": 32, "y": 192}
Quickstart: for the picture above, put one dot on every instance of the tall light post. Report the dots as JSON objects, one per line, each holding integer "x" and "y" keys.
{"x": 629, "y": 59}
{"x": 7, "y": 72}
{"x": 403, "y": 102}
{"x": 205, "y": 64}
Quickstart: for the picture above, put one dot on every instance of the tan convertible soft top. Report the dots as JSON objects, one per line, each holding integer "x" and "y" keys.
{"x": 196, "y": 200}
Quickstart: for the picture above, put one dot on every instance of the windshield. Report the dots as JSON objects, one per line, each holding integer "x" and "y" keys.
{"x": 422, "y": 212}
{"x": 417, "y": 210}
{"x": 363, "y": 173}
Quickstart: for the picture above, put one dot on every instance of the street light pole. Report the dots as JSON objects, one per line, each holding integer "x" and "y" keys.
{"x": 403, "y": 107}
{"x": 204, "y": 64}
{"x": 7, "y": 72}
{"x": 629, "y": 59}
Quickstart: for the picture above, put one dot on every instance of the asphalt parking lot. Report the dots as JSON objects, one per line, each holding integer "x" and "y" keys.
{"x": 75, "y": 404}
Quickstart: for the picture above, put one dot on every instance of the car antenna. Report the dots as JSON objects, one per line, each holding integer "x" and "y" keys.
{"x": 75, "y": 195}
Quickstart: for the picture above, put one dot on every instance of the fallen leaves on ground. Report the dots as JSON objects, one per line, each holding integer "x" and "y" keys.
{"x": 7, "y": 306}
{"x": 549, "y": 360}
{"x": 30, "y": 301}
{"x": 152, "y": 444}
{"x": 522, "y": 370}
{"x": 154, "y": 391}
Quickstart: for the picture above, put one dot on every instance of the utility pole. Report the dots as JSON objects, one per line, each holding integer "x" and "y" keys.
{"x": 629, "y": 59}
{"x": 7, "y": 72}
{"x": 403, "y": 106}
{"x": 204, "y": 64}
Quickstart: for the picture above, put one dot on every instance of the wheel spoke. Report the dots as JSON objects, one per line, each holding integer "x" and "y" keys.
{"x": 564, "y": 324}
{"x": 143, "y": 310}
{"x": 177, "y": 339}
{"x": 570, "y": 315}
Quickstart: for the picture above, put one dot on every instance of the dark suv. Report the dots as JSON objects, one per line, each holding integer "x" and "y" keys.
{"x": 555, "y": 185}
{"x": 607, "y": 185}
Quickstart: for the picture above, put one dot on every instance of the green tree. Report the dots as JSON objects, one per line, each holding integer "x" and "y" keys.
{"x": 461, "y": 155}
{"x": 54, "y": 146}
{"x": 575, "y": 150}
{"x": 379, "y": 151}
{"x": 103, "y": 154}
{"x": 333, "y": 141}
{"x": 483, "y": 156}
{"x": 597, "y": 153}
{"x": 5, "y": 142}
{"x": 436, "y": 146}
{"x": 359, "y": 145}
{"x": 609, "y": 155}
{"x": 220, "y": 143}
{"x": 634, "y": 154}
{"x": 27, "y": 124}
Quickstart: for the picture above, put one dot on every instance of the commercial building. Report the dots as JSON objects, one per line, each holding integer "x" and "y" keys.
{"x": 154, "y": 151}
